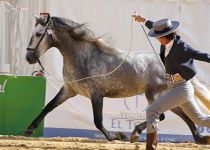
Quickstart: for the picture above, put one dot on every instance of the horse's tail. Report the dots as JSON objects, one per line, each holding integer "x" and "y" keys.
{"x": 202, "y": 93}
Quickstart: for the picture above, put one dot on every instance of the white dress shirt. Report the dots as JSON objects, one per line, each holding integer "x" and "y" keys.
{"x": 168, "y": 47}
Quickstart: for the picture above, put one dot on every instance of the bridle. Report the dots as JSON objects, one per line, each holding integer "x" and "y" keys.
{"x": 40, "y": 40}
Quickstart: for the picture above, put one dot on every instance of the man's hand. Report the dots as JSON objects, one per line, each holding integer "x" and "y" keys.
{"x": 138, "y": 18}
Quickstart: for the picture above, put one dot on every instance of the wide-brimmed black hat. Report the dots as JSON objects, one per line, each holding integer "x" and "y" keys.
{"x": 163, "y": 27}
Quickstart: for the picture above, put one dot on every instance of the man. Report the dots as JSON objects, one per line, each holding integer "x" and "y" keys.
{"x": 177, "y": 57}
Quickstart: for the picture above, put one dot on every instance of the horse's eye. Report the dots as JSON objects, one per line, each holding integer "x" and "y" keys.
{"x": 38, "y": 34}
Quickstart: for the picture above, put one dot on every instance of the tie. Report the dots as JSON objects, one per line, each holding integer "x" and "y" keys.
{"x": 162, "y": 53}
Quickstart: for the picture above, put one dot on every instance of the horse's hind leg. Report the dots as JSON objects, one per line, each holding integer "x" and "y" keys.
{"x": 199, "y": 139}
{"x": 62, "y": 96}
{"x": 97, "y": 105}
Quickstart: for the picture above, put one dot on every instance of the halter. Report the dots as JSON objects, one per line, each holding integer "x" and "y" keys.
{"x": 33, "y": 49}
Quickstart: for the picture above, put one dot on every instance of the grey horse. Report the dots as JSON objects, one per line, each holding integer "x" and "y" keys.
{"x": 85, "y": 55}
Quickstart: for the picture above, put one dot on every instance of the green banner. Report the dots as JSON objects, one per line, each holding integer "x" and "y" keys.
{"x": 21, "y": 100}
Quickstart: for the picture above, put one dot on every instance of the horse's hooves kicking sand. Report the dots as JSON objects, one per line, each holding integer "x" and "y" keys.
{"x": 134, "y": 137}
{"x": 29, "y": 132}
{"x": 121, "y": 136}
{"x": 203, "y": 140}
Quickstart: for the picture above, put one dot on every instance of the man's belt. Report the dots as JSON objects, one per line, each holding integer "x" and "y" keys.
{"x": 174, "y": 77}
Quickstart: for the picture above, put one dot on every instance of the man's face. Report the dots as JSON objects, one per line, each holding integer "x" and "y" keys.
{"x": 163, "y": 40}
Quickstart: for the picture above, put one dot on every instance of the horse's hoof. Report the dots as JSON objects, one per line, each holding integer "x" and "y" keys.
{"x": 134, "y": 138}
{"x": 29, "y": 132}
{"x": 203, "y": 140}
{"x": 207, "y": 139}
{"x": 121, "y": 135}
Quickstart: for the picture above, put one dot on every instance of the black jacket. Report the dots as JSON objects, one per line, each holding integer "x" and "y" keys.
{"x": 180, "y": 58}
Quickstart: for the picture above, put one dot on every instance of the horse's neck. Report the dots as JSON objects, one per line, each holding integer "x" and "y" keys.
{"x": 77, "y": 49}
{"x": 75, "y": 54}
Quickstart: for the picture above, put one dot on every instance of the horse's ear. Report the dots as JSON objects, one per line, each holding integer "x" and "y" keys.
{"x": 42, "y": 19}
{"x": 38, "y": 19}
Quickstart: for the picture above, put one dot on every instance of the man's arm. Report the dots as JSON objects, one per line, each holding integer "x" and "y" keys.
{"x": 148, "y": 24}
{"x": 141, "y": 19}
{"x": 196, "y": 54}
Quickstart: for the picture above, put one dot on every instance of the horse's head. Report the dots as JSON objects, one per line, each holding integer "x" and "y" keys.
{"x": 41, "y": 40}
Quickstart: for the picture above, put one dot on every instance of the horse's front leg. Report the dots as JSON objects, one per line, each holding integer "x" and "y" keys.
{"x": 64, "y": 93}
{"x": 97, "y": 104}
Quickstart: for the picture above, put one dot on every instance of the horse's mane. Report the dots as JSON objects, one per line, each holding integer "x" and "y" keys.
{"x": 81, "y": 32}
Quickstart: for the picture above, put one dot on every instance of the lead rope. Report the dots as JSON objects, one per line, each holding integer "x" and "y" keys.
{"x": 96, "y": 76}
{"x": 160, "y": 62}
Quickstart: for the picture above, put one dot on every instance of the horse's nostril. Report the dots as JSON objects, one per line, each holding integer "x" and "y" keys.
{"x": 28, "y": 59}
{"x": 31, "y": 57}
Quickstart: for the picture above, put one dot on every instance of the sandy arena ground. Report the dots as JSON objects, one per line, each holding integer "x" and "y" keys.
{"x": 24, "y": 143}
